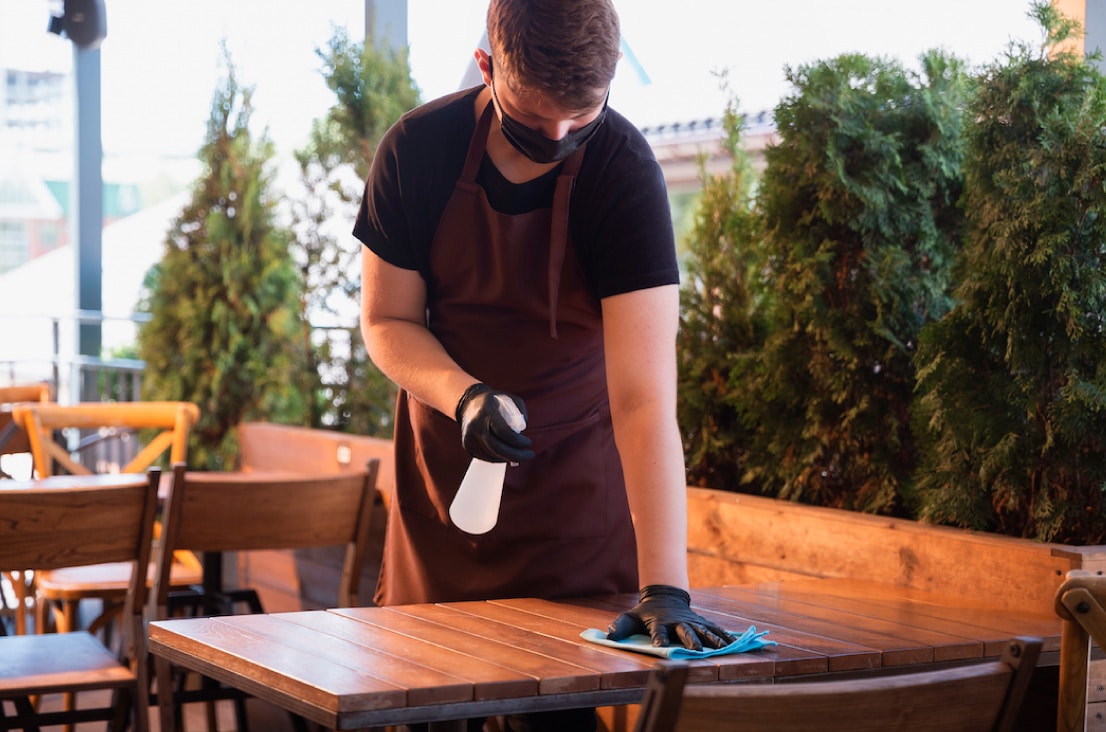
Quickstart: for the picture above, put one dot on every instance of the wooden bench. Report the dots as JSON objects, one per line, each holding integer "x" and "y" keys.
{"x": 744, "y": 539}
{"x": 268, "y": 446}
{"x": 739, "y": 539}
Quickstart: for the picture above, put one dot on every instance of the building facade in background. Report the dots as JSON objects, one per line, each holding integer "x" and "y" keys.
{"x": 36, "y": 146}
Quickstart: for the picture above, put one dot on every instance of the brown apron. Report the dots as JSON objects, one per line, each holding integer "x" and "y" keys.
{"x": 507, "y": 298}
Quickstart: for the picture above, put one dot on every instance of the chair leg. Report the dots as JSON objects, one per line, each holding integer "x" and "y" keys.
{"x": 208, "y": 684}
{"x": 23, "y": 590}
{"x": 1075, "y": 649}
{"x": 68, "y": 703}
{"x": 66, "y": 621}
{"x": 168, "y": 716}
{"x": 241, "y": 722}
{"x": 26, "y": 709}
{"x": 123, "y": 705}
{"x": 42, "y": 616}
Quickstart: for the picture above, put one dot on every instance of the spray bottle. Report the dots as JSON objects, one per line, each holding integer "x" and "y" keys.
{"x": 475, "y": 508}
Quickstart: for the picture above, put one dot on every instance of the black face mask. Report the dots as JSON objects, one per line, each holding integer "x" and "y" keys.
{"x": 540, "y": 148}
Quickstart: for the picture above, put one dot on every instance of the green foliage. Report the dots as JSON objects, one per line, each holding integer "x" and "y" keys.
{"x": 372, "y": 89}
{"x": 224, "y": 299}
{"x": 1011, "y": 403}
{"x": 719, "y": 328}
{"x": 858, "y": 209}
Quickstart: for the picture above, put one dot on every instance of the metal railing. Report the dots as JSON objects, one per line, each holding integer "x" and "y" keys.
{"x": 33, "y": 349}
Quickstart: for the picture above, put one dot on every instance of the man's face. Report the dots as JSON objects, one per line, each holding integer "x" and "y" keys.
{"x": 540, "y": 128}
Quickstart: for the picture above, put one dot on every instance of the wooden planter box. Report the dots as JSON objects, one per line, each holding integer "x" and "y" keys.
{"x": 736, "y": 539}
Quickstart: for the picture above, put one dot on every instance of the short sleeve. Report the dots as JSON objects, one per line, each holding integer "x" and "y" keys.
{"x": 381, "y": 223}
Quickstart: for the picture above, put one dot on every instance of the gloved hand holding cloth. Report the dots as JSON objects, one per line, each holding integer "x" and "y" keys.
{"x": 664, "y": 614}
{"x": 489, "y": 422}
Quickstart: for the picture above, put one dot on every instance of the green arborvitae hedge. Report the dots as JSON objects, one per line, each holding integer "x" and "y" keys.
{"x": 857, "y": 206}
{"x": 720, "y": 328}
{"x": 1011, "y": 403}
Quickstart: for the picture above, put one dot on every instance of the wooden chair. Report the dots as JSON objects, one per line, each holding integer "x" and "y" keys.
{"x": 65, "y": 524}
{"x": 239, "y": 511}
{"x": 975, "y": 698}
{"x": 174, "y": 420}
{"x": 58, "y": 594}
{"x": 13, "y": 441}
{"x": 1079, "y": 603}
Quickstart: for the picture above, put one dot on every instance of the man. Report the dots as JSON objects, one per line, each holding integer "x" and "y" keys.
{"x": 519, "y": 247}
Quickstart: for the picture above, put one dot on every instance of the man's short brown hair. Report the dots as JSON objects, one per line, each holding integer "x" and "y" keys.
{"x": 567, "y": 49}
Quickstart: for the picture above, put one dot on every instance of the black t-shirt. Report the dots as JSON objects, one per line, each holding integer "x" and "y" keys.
{"x": 619, "y": 220}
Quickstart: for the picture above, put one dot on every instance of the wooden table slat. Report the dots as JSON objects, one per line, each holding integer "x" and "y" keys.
{"x": 992, "y": 626}
{"x": 873, "y": 618}
{"x": 564, "y": 673}
{"x": 226, "y": 650}
{"x": 894, "y": 649}
{"x": 423, "y": 685}
{"x": 520, "y": 660}
{"x": 489, "y": 680}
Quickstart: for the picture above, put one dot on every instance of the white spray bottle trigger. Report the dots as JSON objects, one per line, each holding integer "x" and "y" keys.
{"x": 475, "y": 508}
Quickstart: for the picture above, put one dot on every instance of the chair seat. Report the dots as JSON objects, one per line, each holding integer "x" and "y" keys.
{"x": 70, "y": 662}
{"x": 105, "y": 580}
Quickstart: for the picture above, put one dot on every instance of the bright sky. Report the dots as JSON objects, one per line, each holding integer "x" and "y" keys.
{"x": 159, "y": 60}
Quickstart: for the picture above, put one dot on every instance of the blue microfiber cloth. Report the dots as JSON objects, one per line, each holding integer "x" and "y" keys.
{"x": 750, "y": 640}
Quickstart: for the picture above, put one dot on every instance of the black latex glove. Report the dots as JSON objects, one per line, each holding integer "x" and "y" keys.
{"x": 663, "y": 610}
{"x": 485, "y": 431}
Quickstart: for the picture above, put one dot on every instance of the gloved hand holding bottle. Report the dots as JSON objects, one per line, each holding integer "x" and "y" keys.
{"x": 490, "y": 427}
{"x": 491, "y": 431}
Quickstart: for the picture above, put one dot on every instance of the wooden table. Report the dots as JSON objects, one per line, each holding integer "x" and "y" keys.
{"x": 367, "y": 667}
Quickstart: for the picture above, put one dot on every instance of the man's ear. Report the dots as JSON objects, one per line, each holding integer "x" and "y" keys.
{"x": 483, "y": 62}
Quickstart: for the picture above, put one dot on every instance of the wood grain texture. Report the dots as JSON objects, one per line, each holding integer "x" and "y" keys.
{"x": 736, "y": 538}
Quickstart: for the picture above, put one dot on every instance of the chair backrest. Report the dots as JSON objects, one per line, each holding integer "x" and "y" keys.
{"x": 1081, "y": 605}
{"x": 174, "y": 420}
{"x": 239, "y": 511}
{"x": 12, "y": 438}
{"x": 69, "y": 521}
{"x": 979, "y": 698}
{"x": 39, "y": 392}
